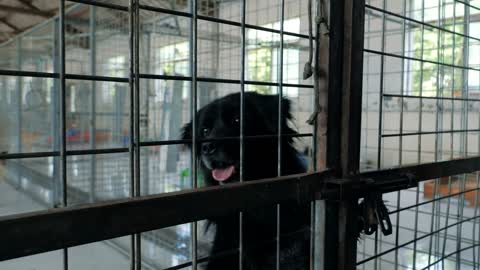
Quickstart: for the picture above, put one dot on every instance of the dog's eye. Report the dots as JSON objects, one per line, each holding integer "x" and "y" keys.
{"x": 236, "y": 121}
{"x": 205, "y": 131}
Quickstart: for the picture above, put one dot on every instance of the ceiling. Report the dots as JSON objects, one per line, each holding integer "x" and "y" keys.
{"x": 17, "y": 16}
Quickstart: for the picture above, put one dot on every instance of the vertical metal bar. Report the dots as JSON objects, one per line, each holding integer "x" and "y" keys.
{"x": 19, "y": 95}
{"x": 420, "y": 111}
{"x": 148, "y": 57}
{"x": 451, "y": 143}
{"x": 415, "y": 229}
{"x": 464, "y": 124}
{"x": 452, "y": 93}
{"x": 242, "y": 125}
{"x": 93, "y": 118}
{"x": 366, "y": 133}
{"x": 55, "y": 129}
{"x": 346, "y": 149}
{"x": 328, "y": 211}
{"x": 63, "y": 111}
{"x": 438, "y": 119}
{"x": 279, "y": 131}
{"x": 136, "y": 96}
{"x": 400, "y": 143}
{"x": 193, "y": 72}
{"x": 375, "y": 251}
{"x": 380, "y": 115}
{"x": 420, "y": 144}
{"x": 131, "y": 146}
{"x": 474, "y": 229}
{"x": 435, "y": 222}
{"x": 475, "y": 212}
{"x": 19, "y": 88}
{"x": 380, "y": 108}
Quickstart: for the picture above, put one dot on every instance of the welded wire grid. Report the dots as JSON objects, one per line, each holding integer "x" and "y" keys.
{"x": 97, "y": 95}
{"x": 421, "y": 104}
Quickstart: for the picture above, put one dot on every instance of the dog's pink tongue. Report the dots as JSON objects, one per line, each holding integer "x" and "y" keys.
{"x": 223, "y": 174}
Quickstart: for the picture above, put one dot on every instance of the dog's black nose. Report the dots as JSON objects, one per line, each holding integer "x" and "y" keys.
{"x": 208, "y": 148}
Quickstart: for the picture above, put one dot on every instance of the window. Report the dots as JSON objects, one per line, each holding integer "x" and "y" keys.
{"x": 263, "y": 56}
{"x": 116, "y": 67}
{"x": 172, "y": 60}
{"x": 443, "y": 47}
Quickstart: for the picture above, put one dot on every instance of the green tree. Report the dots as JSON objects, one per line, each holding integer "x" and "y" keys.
{"x": 448, "y": 51}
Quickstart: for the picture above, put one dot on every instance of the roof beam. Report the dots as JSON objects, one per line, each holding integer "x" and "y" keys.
{"x": 28, "y": 4}
{"x": 10, "y": 25}
{"x": 28, "y": 11}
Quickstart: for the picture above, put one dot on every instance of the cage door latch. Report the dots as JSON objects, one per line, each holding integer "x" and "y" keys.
{"x": 374, "y": 212}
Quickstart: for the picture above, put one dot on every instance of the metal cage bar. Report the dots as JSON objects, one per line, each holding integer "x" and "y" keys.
{"x": 242, "y": 126}
{"x": 131, "y": 148}
{"x": 194, "y": 96}
{"x": 63, "y": 117}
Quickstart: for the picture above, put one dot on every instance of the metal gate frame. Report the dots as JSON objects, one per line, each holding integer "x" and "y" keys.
{"x": 339, "y": 183}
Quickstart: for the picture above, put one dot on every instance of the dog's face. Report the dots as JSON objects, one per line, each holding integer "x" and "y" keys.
{"x": 220, "y": 119}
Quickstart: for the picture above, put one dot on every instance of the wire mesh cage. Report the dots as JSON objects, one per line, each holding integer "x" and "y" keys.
{"x": 94, "y": 101}
{"x": 94, "y": 106}
{"x": 419, "y": 105}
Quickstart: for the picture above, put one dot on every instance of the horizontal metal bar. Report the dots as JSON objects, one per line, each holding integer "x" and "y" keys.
{"x": 21, "y": 73}
{"x": 451, "y": 254}
{"x": 433, "y": 200}
{"x": 429, "y": 132}
{"x": 54, "y": 229}
{"x": 297, "y": 85}
{"x": 218, "y": 20}
{"x": 262, "y": 83}
{"x": 182, "y": 78}
{"x": 101, "y": 4}
{"x": 29, "y": 155}
{"x": 250, "y": 138}
{"x": 427, "y": 171}
{"x": 467, "y": 4}
{"x": 419, "y": 22}
{"x": 256, "y": 27}
{"x": 220, "y": 139}
{"x": 68, "y": 153}
{"x": 416, "y": 240}
{"x": 395, "y": 179}
{"x": 100, "y": 151}
{"x": 419, "y": 60}
{"x": 164, "y": 142}
{"x": 95, "y": 78}
{"x": 143, "y": 76}
{"x": 217, "y": 80}
{"x": 428, "y": 97}
{"x": 165, "y": 10}
{"x": 165, "y": 77}
{"x": 96, "y": 151}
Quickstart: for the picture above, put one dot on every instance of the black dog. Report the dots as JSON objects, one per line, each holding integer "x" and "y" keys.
{"x": 219, "y": 162}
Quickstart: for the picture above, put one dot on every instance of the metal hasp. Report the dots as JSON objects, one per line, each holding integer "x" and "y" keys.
{"x": 371, "y": 212}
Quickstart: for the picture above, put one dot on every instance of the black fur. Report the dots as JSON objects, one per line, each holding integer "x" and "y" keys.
{"x": 220, "y": 119}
